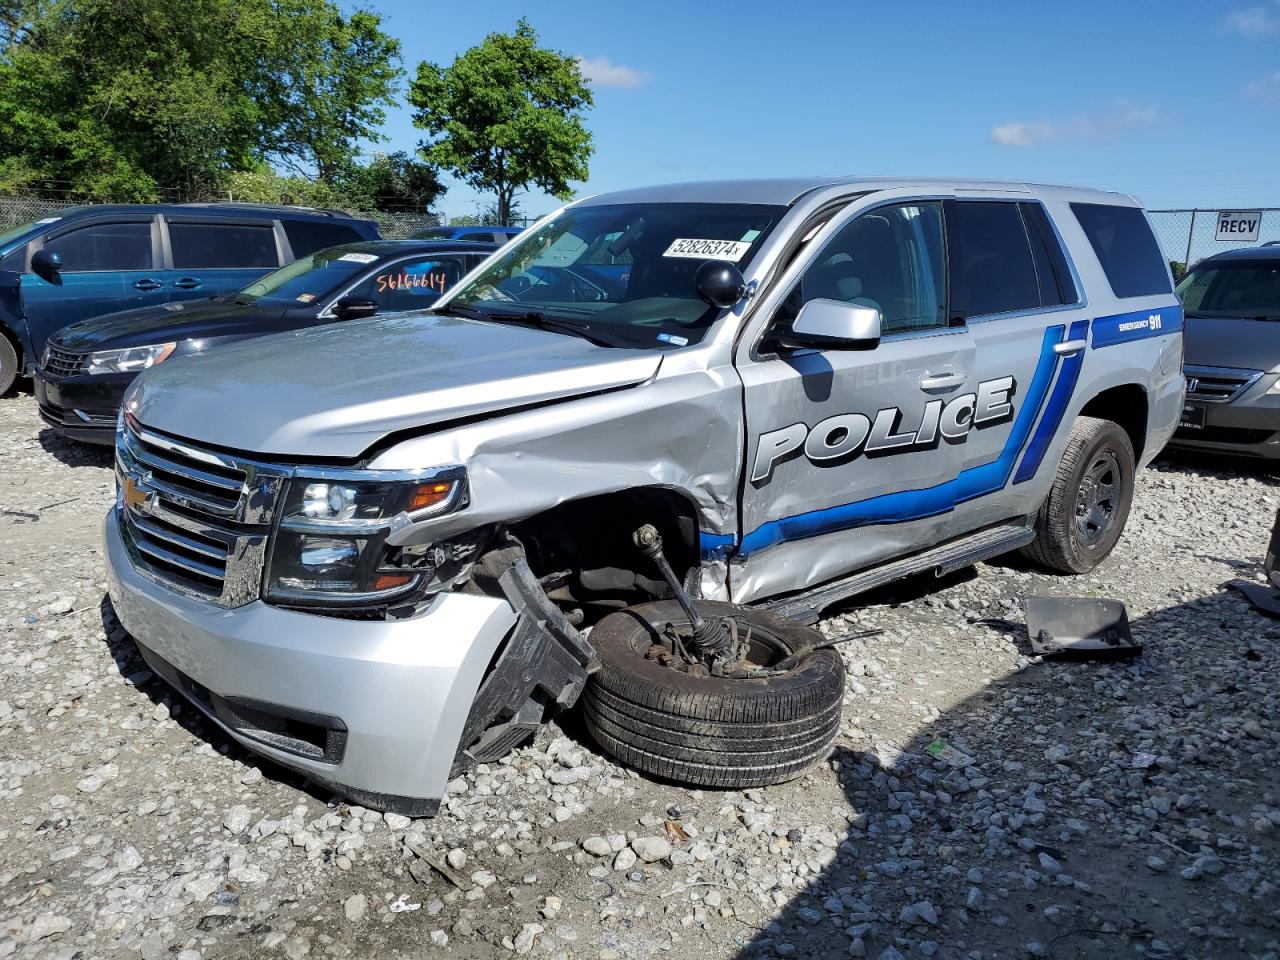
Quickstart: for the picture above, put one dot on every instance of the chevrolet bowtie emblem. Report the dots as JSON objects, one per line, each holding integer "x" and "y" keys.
{"x": 136, "y": 497}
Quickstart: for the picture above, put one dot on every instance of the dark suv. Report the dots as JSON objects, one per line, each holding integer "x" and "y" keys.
{"x": 87, "y": 261}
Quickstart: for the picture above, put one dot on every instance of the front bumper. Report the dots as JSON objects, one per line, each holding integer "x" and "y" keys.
{"x": 1248, "y": 426}
{"x": 379, "y": 705}
{"x": 82, "y": 407}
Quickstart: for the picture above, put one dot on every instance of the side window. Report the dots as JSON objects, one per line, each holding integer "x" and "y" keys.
{"x": 15, "y": 260}
{"x": 1053, "y": 274}
{"x": 411, "y": 284}
{"x": 1126, "y": 248}
{"x": 214, "y": 246}
{"x": 104, "y": 246}
{"x": 989, "y": 259}
{"x": 308, "y": 236}
{"x": 889, "y": 258}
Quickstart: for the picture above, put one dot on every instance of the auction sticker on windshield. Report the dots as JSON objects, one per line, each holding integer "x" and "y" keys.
{"x": 708, "y": 249}
{"x": 359, "y": 257}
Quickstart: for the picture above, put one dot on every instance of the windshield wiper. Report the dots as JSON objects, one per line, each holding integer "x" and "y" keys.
{"x": 535, "y": 318}
{"x": 454, "y": 310}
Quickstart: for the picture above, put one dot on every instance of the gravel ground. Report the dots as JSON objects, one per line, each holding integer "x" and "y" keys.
{"x": 1104, "y": 810}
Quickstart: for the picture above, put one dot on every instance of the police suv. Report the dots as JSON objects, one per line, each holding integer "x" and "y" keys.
{"x": 365, "y": 549}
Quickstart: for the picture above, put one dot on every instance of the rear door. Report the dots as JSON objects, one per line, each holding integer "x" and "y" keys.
{"x": 1012, "y": 285}
{"x": 108, "y": 264}
{"x": 209, "y": 257}
{"x": 852, "y": 455}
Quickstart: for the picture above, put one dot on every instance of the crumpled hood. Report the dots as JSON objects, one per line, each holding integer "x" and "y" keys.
{"x": 335, "y": 390}
{"x": 1228, "y": 342}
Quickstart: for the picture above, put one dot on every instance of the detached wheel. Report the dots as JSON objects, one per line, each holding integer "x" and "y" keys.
{"x": 1081, "y": 520}
{"x": 705, "y": 730}
{"x": 8, "y": 364}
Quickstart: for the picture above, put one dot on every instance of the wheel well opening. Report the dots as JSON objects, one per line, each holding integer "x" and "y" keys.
{"x": 1125, "y": 406}
{"x": 583, "y": 554}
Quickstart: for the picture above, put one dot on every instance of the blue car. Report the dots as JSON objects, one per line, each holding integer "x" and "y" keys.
{"x": 89, "y": 261}
{"x": 479, "y": 234}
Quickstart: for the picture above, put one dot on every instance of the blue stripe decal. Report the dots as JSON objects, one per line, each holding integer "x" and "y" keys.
{"x": 1056, "y": 409}
{"x": 715, "y": 546}
{"x": 905, "y": 505}
{"x": 1127, "y": 327}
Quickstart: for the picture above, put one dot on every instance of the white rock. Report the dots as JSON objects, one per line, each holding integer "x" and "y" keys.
{"x": 651, "y": 849}
{"x": 354, "y": 907}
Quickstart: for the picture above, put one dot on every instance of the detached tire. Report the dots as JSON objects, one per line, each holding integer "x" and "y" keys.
{"x": 1084, "y": 515}
{"x": 8, "y": 364}
{"x": 711, "y": 731}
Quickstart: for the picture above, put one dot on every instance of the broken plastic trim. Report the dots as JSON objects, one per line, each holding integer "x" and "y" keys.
{"x": 545, "y": 664}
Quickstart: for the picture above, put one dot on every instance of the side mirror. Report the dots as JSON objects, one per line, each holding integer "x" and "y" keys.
{"x": 355, "y": 308}
{"x": 833, "y": 325}
{"x": 46, "y": 263}
{"x": 720, "y": 283}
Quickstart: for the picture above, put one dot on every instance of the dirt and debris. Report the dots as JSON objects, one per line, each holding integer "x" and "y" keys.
{"x": 1127, "y": 808}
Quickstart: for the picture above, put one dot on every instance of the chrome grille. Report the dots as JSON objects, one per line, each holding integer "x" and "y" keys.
{"x": 64, "y": 363}
{"x": 1218, "y": 384}
{"x": 193, "y": 519}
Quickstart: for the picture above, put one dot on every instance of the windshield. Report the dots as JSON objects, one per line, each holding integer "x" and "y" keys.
{"x": 625, "y": 272}
{"x": 309, "y": 278}
{"x": 1248, "y": 289}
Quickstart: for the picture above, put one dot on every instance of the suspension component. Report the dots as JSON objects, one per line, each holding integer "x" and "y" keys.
{"x": 712, "y": 638}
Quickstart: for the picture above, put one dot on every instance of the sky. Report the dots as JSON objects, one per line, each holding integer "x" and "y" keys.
{"x": 1176, "y": 102}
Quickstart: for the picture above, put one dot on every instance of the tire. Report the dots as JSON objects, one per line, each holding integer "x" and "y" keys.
{"x": 711, "y": 731}
{"x": 9, "y": 364}
{"x": 1075, "y": 530}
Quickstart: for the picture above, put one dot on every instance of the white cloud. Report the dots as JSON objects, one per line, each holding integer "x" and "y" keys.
{"x": 1095, "y": 127}
{"x": 602, "y": 72}
{"x": 1255, "y": 21}
{"x": 1264, "y": 89}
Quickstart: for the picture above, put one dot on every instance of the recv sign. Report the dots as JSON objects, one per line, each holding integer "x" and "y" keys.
{"x": 1239, "y": 225}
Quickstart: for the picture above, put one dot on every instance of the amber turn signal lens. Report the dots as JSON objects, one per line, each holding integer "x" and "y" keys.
{"x": 389, "y": 581}
{"x": 428, "y": 495}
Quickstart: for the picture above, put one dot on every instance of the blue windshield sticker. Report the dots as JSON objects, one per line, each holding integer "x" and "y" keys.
{"x": 673, "y": 339}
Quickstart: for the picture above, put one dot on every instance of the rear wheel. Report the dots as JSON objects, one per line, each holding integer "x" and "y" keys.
{"x": 1081, "y": 520}
{"x": 8, "y": 364}
{"x": 708, "y": 730}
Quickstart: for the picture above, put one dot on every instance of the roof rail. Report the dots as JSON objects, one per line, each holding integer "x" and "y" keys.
{"x": 247, "y": 205}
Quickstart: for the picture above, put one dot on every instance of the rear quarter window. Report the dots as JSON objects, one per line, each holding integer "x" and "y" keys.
{"x": 308, "y": 236}
{"x": 1126, "y": 248}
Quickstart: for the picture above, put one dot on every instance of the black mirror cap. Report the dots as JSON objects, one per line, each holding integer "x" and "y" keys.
{"x": 354, "y": 308}
{"x": 46, "y": 262}
{"x": 720, "y": 283}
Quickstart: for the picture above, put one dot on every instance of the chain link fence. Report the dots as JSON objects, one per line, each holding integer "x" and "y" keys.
{"x": 1188, "y": 236}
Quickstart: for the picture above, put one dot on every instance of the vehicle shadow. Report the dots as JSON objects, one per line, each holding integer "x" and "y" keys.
{"x": 73, "y": 453}
{"x": 124, "y": 651}
{"x": 1092, "y": 786}
{"x": 1218, "y": 465}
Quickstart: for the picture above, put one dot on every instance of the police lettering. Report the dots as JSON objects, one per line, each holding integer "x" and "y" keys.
{"x": 842, "y": 437}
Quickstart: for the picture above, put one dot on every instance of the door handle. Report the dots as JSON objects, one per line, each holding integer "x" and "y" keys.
{"x": 146, "y": 284}
{"x": 1067, "y": 347}
{"x": 941, "y": 381}
{"x": 187, "y": 283}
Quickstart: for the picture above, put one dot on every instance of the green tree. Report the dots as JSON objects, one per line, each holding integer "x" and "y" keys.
{"x": 164, "y": 99}
{"x": 506, "y": 115}
{"x": 393, "y": 181}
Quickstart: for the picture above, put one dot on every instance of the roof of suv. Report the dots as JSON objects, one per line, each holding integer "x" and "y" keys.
{"x": 786, "y": 191}
{"x": 1267, "y": 251}
{"x": 225, "y": 208}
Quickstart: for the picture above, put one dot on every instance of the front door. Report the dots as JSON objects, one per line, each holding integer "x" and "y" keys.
{"x": 852, "y": 456}
{"x": 107, "y": 265}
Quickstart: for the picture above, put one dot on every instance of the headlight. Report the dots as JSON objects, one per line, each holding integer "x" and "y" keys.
{"x": 130, "y": 359}
{"x": 331, "y": 545}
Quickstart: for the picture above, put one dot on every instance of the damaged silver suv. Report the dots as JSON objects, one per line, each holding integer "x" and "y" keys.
{"x": 685, "y": 419}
